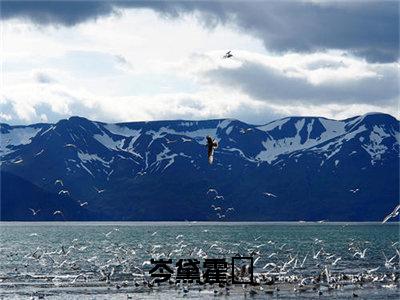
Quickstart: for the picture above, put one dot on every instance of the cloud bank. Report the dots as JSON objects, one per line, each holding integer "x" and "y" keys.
{"x": 368, "y": 29}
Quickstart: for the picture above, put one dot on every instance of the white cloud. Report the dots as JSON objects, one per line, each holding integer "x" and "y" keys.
{"x": 143, "y": 67}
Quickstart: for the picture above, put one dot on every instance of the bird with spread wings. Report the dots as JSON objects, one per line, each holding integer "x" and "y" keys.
{"x": 211, "y": 145}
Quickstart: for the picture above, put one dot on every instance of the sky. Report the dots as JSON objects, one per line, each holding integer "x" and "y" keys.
{"x": 161, "y": 60}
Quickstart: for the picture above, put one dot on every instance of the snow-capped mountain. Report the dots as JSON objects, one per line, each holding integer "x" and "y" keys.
{"x": 311, "y": 168}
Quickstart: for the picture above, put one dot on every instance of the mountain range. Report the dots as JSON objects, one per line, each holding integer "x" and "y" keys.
{"x": 291, "y": 169}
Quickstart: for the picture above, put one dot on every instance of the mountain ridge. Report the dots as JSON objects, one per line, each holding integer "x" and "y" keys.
{"x": 148, "y": 169}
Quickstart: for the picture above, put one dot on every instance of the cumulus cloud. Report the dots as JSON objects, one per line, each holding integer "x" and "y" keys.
{"x": 368, "y": 29}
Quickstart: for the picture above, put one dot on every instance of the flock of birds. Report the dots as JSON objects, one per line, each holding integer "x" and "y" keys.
{"x": 64, "y": 192}
{"x": 217, "y": 207}
{"x": 105, "y": 261}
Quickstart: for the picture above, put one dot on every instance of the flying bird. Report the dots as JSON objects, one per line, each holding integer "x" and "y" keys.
{"x": 211, "y": 145}
{"x": 34, "y": 212}
{"x": 354, "y": 190}
{"x": 59, "y": 181}
{"x": 57, "y": 212}
{"x": 360, "y": 254}
{"x": 393, "y": 214}
{"x": 82, "y": 203}
{"x": 220, "y": 216}
{"x": 212, "y": 191}
{"x": 228, "y": 54}
{"x": 70, "y": 145}
{"x": 243, "y": 131}
{"x": 215, "y": 207}
{"x": 99, "y": 190}
{"x": 269, "y": 195}
{"x": 63, "y": 192}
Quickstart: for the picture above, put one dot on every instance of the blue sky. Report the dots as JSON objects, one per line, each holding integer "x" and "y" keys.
{"x": 147, "y": 60}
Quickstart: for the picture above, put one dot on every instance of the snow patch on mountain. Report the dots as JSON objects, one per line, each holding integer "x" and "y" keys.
{"x": 16, "y": 137}
{"x": 198, "y": 135}
{"x": 86, "y": 157}
{"x": 123, "y": 130}
{"x": 375, "y": 148}
{"x": 272, "y": 125}
{"x": 276, "y": 147}
{"x": 165, "y": 155}
{"x": 108, "y": 142}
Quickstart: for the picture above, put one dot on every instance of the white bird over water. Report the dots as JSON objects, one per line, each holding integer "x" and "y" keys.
{"x": 34, "y": 212}
{"x": 360, "y": 254}
{"x": 373, "y": 270}
{"x": 269, "y": 195}
{"x": 336, "y": 261}
{"x": 393, "y": 214}
{"x": 83, "y": 204}
{"x": 354, "y": 190}
{"x": 57, "y": 212}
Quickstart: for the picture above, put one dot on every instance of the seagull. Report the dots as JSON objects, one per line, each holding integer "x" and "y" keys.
{"x": 98, "y": 190}
{"x": 304, "y": 260}
{"x": 146, "y": 263}
{"x": 360, "y": 254}
{"x": 212, "y": 191}
{"x": 315, "y": 256}
{"x": 388, "y": 262}
{"x": 34, "y": 212}
{"x": 83, "y": 204}
{"x": 269, "y": 195}
{"x": 63, "y": 192}
{"x": 219, "y": 197}
{"x": 70, "y": 145}
{"x": 393, "y": 214}
{"x": 211, "y": 145}
{"x": 228, "y": 54}
{"x": 59, "y": 181}
{"x": 373, "y": 270}
{"x": 230, "y": 209}
{"x": 336, "y": 261}
{"x": 220, "y": 216}
{"x": 354, "y": 191}
{"x": 57, "y": 212}
{"x": 243, "y": 131}
{"x": 269, "y": 265}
